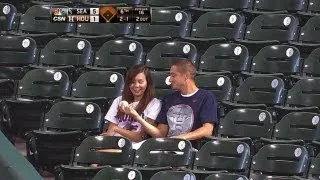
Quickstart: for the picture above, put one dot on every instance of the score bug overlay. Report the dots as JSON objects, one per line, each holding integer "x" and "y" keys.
{"x": 107, "y": 14}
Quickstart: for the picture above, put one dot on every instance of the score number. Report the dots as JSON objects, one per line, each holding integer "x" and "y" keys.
{"x": 94, "y": 15}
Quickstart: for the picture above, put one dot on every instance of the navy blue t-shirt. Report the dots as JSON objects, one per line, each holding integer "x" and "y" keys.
{"x": 184, "y": 114}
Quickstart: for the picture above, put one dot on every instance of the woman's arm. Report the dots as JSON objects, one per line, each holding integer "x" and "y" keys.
{"x": 133, "y": 136}
{"x": 159, "y": 131}
{"x": 110, "y": 130}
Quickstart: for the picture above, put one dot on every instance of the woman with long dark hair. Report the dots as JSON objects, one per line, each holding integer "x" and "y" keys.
{"x": 137, "y": 101}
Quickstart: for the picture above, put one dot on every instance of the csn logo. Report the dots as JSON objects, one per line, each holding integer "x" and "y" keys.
{"x": 59, "y": 18}
{"x": 59, "y": 15}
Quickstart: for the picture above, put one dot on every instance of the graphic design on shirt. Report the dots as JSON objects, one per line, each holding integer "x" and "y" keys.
{"x": 180, "y": 119}
{"x": 128, "y": 123}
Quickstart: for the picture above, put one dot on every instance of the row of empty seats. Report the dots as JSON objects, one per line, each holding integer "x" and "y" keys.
{"x": 154, "y": 155}
{"x": 256, "y": 127}
{"x": 69, "y": 120}
{"x": 109, "y": 173}
{"x": 73, "y": 55}
{"x": 171, "y": 24}
{"x": 261, "y": 91}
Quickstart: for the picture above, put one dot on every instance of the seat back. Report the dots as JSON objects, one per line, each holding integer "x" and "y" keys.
{"x": 305, "y": 92}
{"x": 173, "y": 175}
{"x": 280, "y": 159}
{"x": 309, "y": 32}
{"x": 227, "y": 25}
{"x": 229, "y": 155}
{"x": 225, "y": 57}
{"x": 44, "y": 83}
{"x": 62, "y": 130}
{"x": 53, "y": 148}
{"x": 66, "y": 2}
{"x": 185, "y": 4}
{"x": 285, "y": 5}
{"x": 227, "y": 4}
{"x": 162, "y": 152}
{"x": 119, "y": 53}
{"x": 113, "y": 2}
{"x": 111, "y": 173}
{"x": 161, "y": 55}
{"x": 16, "y": 52}
{"x": 67, "y": 51}
{"x": 265, "y": 177}
{"x": 168, "y": 22}
{"x": 314, "y": 7}
{"x": 115, "y": 29}
{"x": 297, "y": 125}
{"x": 8, "y": 20}
{"x": 37, "y": 20}
{"x": 7, "y": 90}
{"x": 277, "y": 59}
{"x": 253, "y": 123}
{"x": 226, "y": 176}
{"x": 104, "y": 84}
{"x": 219, "y": 85}
{"x": 312, "y": 63}
{"x": 104, "y": 150}
{"x": 280, "y": 27}
{"x": 161, "y": 83}
{"x": 74, "y": 116}
{"x": 314, "y": 171}
{"x": 27, "y": 112}
{"x": 261, "y": 90}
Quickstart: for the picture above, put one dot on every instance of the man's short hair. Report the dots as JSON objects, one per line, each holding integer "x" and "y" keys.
{"x": 185, "y": 66}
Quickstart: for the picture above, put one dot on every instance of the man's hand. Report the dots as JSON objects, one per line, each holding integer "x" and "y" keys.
{"x": 204, "y": 131}
{"x": 181, "y": 136}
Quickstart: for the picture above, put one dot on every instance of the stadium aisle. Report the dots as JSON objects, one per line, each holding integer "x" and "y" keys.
{"x": 21, "y": 146}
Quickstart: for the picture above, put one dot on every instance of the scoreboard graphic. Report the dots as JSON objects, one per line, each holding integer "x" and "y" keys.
{"x": 108, "y": 14}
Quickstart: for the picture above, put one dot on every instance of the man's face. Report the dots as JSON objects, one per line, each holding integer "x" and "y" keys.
{"x": 177, "y": 79}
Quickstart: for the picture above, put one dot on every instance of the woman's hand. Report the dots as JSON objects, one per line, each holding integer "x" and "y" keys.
{"x": 129, "y": 110}
{"x": 123, "y": 105}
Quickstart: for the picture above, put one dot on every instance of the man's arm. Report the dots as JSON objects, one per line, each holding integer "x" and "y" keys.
{"x": 204, "y": 131}
{"x": 160, "y": 131}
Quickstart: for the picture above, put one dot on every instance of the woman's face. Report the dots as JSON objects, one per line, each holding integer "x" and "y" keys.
{"x": 138, "y": 85}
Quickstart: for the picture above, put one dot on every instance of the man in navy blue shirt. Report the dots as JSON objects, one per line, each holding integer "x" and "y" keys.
{"x": 188, "y": 113}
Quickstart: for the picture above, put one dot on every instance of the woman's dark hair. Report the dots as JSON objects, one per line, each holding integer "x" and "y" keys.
{"x": 127, "y": 94}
